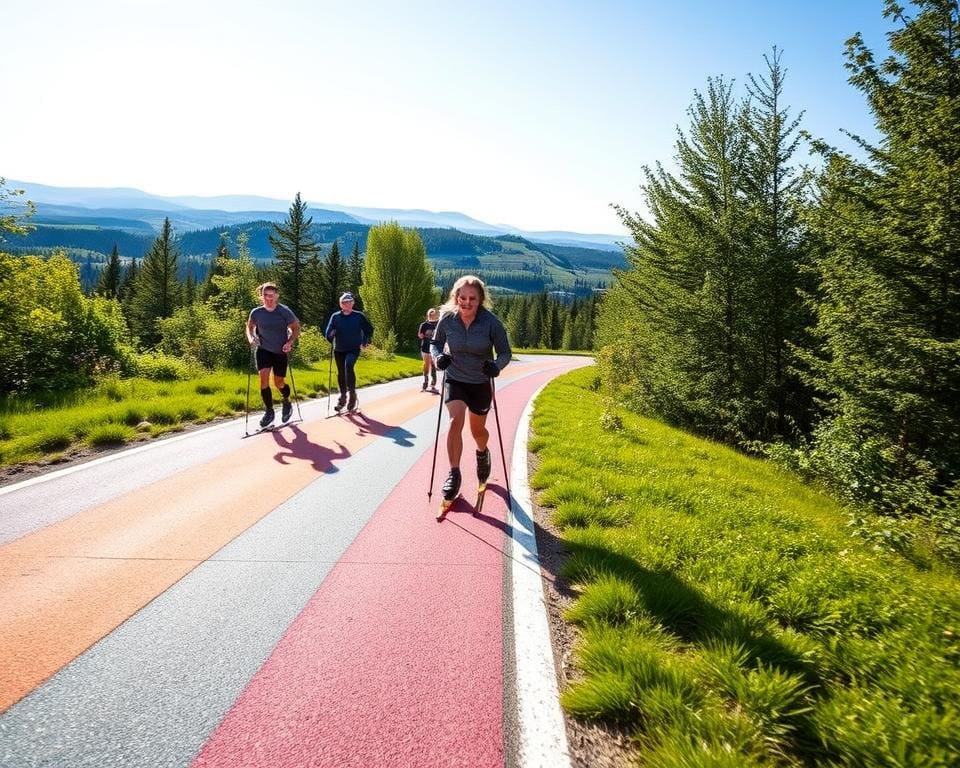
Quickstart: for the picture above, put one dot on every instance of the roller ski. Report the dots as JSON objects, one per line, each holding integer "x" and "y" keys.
{"x": 265, "y": 424}
{"x": 483, "y": 474}
{"x": 450, "y": 491}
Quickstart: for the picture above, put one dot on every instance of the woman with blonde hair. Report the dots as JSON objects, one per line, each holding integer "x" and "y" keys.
{"x": 463, "y": 346}
{"x": 425, "y": 334}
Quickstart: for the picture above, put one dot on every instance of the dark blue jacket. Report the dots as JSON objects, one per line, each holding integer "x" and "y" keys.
{"x": 348, "y": 332}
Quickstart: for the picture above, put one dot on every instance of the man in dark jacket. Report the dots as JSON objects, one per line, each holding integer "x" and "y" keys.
{"x": 349, "y": 331}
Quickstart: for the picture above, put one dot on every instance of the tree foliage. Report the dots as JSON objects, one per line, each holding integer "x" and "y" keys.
{"x": 157, "y": 291}
{"x": 293, "y": 246}
{"x": 397, "y": 284}
{"x": 52, "y": 336}
{"x": 888, "y": 267}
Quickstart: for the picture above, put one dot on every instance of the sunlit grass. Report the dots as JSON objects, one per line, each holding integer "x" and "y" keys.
{"x": 726, "y": 614}
{"x": 40, "y": 428}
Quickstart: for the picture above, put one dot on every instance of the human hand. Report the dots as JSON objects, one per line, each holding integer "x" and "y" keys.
{"x": 443, "y": 362}
{"x": 490, "y": 369}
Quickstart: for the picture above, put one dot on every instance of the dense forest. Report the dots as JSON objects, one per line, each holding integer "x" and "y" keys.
{"x": 812, "y": 314}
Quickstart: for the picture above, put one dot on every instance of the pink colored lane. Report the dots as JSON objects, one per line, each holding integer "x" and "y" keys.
{"x": 397, "y": 660}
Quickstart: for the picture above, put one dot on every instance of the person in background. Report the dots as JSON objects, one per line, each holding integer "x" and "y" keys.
{"x": 272, "y": 329}
{"x": 425, "y": 334}
{"x": 463, "y": 344}
{"x": 350, "y": 332}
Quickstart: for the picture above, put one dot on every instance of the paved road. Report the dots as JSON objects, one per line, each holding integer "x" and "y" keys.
{"x": 282, "y": 600}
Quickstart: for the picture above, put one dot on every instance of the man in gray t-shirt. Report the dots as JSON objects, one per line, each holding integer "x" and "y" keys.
{"x": 272, "y": 329}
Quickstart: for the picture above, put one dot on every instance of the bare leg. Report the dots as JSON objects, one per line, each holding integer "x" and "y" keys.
{"x": 457, "y": 410}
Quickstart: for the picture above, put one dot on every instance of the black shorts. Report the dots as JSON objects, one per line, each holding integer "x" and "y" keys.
{"x": 275, "y": 360}
{"x": 476, "y": 396}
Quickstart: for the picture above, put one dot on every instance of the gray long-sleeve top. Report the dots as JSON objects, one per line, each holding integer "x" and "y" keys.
{"x": 470, "y": 347}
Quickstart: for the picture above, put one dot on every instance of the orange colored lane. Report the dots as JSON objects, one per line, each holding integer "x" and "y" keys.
{"x": 66, "y": 586}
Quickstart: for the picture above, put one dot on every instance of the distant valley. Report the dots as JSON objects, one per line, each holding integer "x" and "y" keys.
{"x": 88, "y": 222}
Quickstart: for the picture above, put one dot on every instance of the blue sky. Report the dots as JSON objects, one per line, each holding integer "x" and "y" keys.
{"x": 533, "y": 114}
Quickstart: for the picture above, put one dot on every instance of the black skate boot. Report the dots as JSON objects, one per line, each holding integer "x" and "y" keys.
{"x": 423, "y": 387}
{"x": 286, "y": 411}
{"x": 341, "y": 402}
{"x": 483, "y": 473}
{"x": 267, "y": 419}
{"x": 433, "y": 379}
{"x": 352, "y": 401}
{"x": 450, "y": 491}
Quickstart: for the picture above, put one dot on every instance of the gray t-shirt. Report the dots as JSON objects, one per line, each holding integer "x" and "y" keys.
{"x": 271, "y": 327}
{"x": 470, "y": 347}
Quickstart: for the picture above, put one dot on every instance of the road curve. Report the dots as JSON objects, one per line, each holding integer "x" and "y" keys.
{"x": 286, "y": 599}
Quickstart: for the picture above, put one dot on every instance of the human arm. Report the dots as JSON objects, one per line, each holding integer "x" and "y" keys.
{"x": 293, "y": 333}
{"x": 367, "y": 330}
{"x": 501, "y": 345}
{"x": 331, "y": 330}
{"x": 252, "y": 339}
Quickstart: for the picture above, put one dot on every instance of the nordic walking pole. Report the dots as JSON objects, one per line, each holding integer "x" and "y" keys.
{"x": 330, "y": 380}
{"x": 296, "y": 399}
{"x": 503, "y": 456}
{"x": 436, "y": 437}
{"x": 246, "y": 418}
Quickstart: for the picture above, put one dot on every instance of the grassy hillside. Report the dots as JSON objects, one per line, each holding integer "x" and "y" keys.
{"x": 723, "y": 613}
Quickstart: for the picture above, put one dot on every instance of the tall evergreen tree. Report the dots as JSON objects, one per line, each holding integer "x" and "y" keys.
{"x": 397, "y": 282}
{"x": 775, "y": 190}
{"x": 888, "y": 308}
{"x": 355, "y": 275}
{"x": 158, "y": 291}
{"x": 691, "y": 293}
{"x": 108, "y": 285}
{"x": 293, "y": 245}
{"x": 334, "y": 278}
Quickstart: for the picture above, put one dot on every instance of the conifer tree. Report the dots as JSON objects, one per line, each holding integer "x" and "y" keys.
{"x": 293, "y": 245}
{"x": 775, "y": 192}
{"x": 355, "y": 275}
{"x": 108, "y": 285}
{"x": 334, "y": 279}
{"x": 157, "y": 291}
{"x": 888, "y": 308}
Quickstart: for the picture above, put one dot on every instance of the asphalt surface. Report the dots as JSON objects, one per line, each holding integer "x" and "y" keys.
{"x": 286, "y": 599}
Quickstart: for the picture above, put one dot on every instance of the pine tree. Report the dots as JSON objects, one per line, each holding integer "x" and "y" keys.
{"x": 888, "y": 308}
{"x": 334, "y": 278}
{"x": 690, "y": 294}
{"x": 108, "y": 285}
{"x": 158, "y": 291}
{"x": 293, "y": 245}
{"x": 775, "y": 191}
{"x": 355, "y": 275}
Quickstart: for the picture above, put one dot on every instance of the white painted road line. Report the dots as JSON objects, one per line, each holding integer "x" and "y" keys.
{"x": 543, "y": 734}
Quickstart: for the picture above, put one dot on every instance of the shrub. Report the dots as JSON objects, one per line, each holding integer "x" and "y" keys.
{"x": 157, "y": 366}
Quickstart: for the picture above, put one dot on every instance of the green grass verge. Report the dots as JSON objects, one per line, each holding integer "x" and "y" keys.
{"x": 109, "y": 413}
{"x": 725, "y": 613}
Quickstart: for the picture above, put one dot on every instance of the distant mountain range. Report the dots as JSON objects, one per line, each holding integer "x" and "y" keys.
{"x": 88, "y": 223}
{"x": 194, "y": 212}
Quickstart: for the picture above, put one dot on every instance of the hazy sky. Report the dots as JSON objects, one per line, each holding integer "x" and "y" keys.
{"x": 534, "y": 114}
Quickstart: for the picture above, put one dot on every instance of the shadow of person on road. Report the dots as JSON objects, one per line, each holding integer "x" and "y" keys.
{"x": 301, "y": 448}
{"x": 367, "y": 426}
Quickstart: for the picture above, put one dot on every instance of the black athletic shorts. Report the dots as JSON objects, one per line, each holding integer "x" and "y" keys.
{"x": 275, "y": 360}
{"x": 476, "y": 396}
